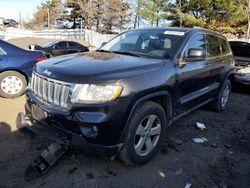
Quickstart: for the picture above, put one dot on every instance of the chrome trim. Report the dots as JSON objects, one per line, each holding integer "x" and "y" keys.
{"x": 52, "y": 91}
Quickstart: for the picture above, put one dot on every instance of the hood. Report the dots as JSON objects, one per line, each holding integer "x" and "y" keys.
{"x": 96, "y": 66}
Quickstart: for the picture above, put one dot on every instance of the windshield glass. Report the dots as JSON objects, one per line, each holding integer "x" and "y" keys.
{"x": 151, "y": 43}
{"x": 49, "y": 44}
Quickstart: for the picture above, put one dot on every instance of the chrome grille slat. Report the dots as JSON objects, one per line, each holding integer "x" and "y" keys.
{"x": 35, "y": 84}
{"x": 51, "y": 91}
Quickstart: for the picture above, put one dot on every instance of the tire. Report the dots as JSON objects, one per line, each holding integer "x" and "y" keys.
{"x": 49, "y": 55}
{"x": 136, "y": 135}
{"x": 220, "y": 103}
{"x": 12, "y": 84}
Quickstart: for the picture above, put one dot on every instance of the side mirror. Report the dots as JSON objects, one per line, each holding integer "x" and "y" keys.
{"x": 195, "y": 53}
{"x": 104, "y": 43}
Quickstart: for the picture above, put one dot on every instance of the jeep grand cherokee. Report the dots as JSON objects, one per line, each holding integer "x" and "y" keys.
{"x": 121, "y": 98}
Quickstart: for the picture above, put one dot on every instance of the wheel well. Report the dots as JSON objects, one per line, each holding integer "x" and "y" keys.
{"x": 161, "y": 100}
{"x": 166, "y": 104}
{"x": 22, "y": 73}
{"x": 231, "y": 78}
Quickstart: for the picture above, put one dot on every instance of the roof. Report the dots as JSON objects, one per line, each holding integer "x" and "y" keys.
{"x": 182, "y": 29}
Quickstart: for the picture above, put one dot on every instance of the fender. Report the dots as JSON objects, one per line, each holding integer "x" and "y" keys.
{"x": 167, "y": 108}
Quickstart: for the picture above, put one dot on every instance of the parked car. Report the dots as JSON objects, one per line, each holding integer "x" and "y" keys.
{"x": 16, "y": 66}
{"x": 10, "y": 23}
{"x": 57, "y": 48}
{"x": 241, "y": 51}
{"x": 121, "y": 98}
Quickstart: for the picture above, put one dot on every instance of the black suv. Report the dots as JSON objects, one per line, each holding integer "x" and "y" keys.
{"x": 121, "y": 98}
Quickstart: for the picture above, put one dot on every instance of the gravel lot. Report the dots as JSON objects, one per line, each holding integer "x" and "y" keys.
{"x": 224, "y": 161}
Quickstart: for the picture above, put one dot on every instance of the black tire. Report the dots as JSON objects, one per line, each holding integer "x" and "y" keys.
{"x": 49, "y": 55}
{"x": 23, "y": 81}
{"x": 128, "y": 153}
{"x": 217, "y": 104}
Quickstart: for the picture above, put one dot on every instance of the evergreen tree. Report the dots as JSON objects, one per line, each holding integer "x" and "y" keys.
{"x": 154, "y": 10}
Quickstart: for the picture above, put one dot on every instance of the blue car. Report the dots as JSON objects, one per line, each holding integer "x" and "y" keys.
{"x": 16, "y": 66}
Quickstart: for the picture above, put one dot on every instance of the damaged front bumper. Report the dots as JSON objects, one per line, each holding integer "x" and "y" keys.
{"x": 242, "y": 78}
{"x": 242, "y": 73}
{"x": 67, "y": 138}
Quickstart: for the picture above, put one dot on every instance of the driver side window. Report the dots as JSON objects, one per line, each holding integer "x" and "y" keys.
{"x": 196, "y": 42}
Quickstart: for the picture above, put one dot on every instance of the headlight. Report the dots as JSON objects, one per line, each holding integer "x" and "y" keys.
{"x": 95, "y": 94}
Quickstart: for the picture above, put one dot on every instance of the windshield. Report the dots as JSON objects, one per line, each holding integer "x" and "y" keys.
{"x": 49, "y": 44}
{"x": 151, "y": 43}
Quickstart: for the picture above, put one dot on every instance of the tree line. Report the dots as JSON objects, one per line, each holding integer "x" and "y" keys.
{"x": 109, "y": 16}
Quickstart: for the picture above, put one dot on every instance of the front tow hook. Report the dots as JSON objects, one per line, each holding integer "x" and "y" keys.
{"x": 45, "y": 161}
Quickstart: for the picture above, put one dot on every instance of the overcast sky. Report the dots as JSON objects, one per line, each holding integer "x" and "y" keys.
{"x": 12, "y": 8}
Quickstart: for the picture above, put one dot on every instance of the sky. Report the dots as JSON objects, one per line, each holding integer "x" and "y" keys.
{"x": 12, "y": 8}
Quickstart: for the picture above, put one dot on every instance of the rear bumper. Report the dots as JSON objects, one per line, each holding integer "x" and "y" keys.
{"x": 58, "y": 135}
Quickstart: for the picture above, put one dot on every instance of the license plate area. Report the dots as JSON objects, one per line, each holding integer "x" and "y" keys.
{"x": 37, "y": 113}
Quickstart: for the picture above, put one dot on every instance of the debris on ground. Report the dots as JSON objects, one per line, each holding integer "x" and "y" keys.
{"x": 214, "y": 145}
{"x": 45, "y": 161}
{"x": 188, "y": 185}
{"x": 178, "y": 142}
{"x": 90, "y": 176}
{"x": 199, "y": 140}
{"x": 201, "y": 126}
{"x": 228, "y": 146}
{"x": 71, "y": 171}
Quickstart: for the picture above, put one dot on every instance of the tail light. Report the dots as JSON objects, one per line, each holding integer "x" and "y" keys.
{"x": 40, "y": 59}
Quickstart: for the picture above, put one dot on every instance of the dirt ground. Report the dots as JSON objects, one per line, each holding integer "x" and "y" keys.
{"x": 223, "y": 162}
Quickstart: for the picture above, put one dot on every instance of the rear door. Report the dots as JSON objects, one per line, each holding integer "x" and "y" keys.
{"x": 73, "y": 47}
{"x": 60, "y": 48}
{"x": 218, "y": 60}
{"x": 192, "y": 77}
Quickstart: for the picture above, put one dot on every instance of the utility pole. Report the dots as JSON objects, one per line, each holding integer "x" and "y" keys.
{"x": 48, "y": 17}
{"x": 180, "y": 6}
{"x": 90, "y": 14}
{"x": 48, "y": 12}
{"x": 248, "y": 16}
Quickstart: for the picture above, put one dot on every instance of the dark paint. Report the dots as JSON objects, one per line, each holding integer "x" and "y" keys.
{"x": 198, "y": 82}
{"x": 18, "y": 59}
{"x": 63, "y": 48}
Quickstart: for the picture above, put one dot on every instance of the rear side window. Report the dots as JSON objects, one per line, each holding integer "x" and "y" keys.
{"x": 224, "y": 47}
{"x": 73, "y": 44}
{"x": 61, "y": 45}
{"x": 198, "y": 42}
{"x": 213, "y": 46}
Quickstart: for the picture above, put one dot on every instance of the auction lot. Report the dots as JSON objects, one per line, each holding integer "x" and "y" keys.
{"x": 224, "y": 161}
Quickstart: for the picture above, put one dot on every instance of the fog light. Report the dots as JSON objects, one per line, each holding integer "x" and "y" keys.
{"x": 90, "y": 132}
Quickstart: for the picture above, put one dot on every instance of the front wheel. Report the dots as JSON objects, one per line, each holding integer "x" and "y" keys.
{"x": 12, "y": 84}
{"x": 220, "y": 103}
{"x": 144, "y": 134}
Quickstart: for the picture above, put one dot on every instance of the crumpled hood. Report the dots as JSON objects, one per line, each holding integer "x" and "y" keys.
{"x": 96, "y": 66}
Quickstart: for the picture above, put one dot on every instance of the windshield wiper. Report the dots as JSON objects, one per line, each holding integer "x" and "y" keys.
{"x": 126, "y": 53}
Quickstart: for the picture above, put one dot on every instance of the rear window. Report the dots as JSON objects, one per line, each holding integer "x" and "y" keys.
{"x": 2, "y": 52}
{"x": 213, "y": 46}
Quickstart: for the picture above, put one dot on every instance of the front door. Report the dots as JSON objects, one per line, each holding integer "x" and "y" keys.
{"x": 192, "y": 77}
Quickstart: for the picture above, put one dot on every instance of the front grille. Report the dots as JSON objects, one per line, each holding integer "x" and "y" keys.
{"x": 49, "y": 90}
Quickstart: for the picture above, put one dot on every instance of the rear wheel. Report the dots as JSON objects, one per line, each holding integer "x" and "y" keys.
{"x": 12, "y": 84}
{"x": 144, "y": 134}
{"x": 220, "y": 103}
